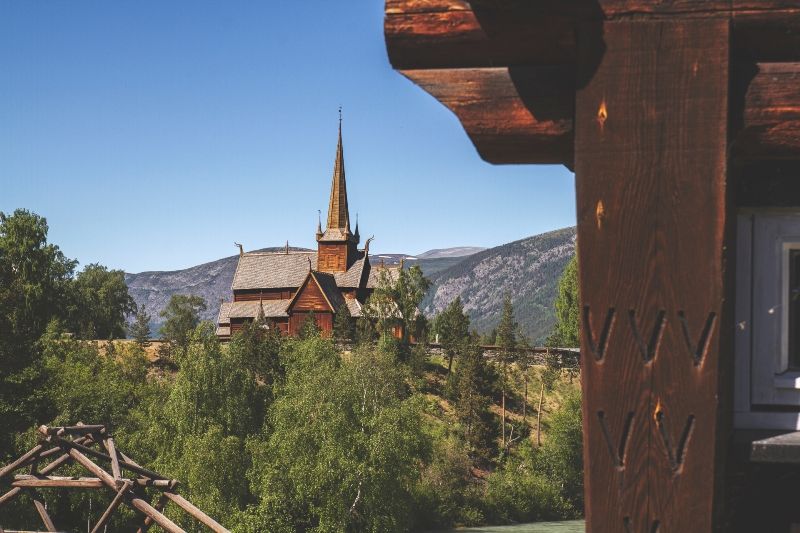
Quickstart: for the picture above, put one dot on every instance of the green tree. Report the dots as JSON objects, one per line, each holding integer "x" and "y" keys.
{"x": 452, "y": 325}
{"x": 309, "y": 328}
{"x": 258, "y": 346}
{"x": 351, "y": 464}
{"x": 507, "y": 344}
{"x": 34, "y": 283}
{"x": 344, "y": 327}
{"x": 100, "y": 303}
{"x": 560, "y": 457}
{"x": 381, "y": 306}
{"x": 140, "y": 329}
{"x": 198, "y": 428}
{"x": 474, "y": 384}
{"x": 396, "y": 300}
{"x": 182, "y": 315}
{"x": 409, "y": 290}
{"x": 566, "y": 333}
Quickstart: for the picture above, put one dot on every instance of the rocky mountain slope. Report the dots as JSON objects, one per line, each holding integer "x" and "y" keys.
{"x": 212, "y": 281}
{"x": 528, "y": 270}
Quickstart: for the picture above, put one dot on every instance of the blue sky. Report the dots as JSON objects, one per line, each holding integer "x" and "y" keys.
{"x": 152, "y": 135}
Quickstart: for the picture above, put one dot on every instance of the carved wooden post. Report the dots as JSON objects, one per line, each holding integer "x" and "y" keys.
{"x": 650, "y": 145}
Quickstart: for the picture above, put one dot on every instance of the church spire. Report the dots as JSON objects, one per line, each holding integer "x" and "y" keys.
{"x": 338, "y": 213}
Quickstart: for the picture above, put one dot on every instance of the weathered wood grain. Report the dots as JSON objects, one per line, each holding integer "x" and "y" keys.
{"x": 56, "y": 482}
{"x": 512, "y": 115}
{"x": 477, "y": 37}
{"x": 525, "y": 114}
{"x": 457, "y": 34}
{"x": 195, "y": 512}
{"x": 771, "y": 121}
{"x": 651, "y": 185}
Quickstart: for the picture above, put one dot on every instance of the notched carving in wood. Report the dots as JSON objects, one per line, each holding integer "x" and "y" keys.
{"x": 648, "y": 349}
{"x": 598, "y": 348}
{"x": 617, "y": 452}
{"x": 698, "y": 351}
{"x": 654, "y": 527}
{"x": 674, "y": 455}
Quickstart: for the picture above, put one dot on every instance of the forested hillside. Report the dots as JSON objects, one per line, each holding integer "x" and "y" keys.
{"x": 527, "y": 270}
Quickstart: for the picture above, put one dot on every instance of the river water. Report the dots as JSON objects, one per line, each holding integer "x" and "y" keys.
{"x": 571, "y": 526}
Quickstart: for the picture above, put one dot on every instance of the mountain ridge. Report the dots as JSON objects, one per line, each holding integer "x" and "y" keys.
{"x": 450, "y": 272}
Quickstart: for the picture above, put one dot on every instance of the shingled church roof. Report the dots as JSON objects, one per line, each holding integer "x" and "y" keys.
{"x": 278, "y": 270}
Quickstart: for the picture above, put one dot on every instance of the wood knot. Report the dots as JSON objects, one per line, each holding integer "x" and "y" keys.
{"x": 600, "y": 214}
{"x": 602, "y": 115}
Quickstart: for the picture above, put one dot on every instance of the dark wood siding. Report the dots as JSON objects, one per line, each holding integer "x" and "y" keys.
{"x": 251, "y": 295}
{"x": 332, "y": 257}
{"x": 324, "y": 321}
{"x": 310, "y": 299}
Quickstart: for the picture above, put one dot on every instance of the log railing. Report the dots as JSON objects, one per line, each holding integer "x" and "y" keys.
{"x": 74, "y": 444}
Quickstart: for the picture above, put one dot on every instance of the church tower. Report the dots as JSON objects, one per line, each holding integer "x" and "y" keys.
{"x": 337, "y": 246}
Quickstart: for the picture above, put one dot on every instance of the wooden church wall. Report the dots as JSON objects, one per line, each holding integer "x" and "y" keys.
{"x": 310, "y": 298}
{"x": 324, "y": 322}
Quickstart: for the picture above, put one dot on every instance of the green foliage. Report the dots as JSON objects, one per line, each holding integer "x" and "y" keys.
{"x": 100, "y": 303}
{"x": 268, "y": 433}
{"x": 349, "y": 466}
{"x": 561, "y": 456}
{"x": 140, "y": 329}
{"x": 409, "y": 290}
{"x": 344, "y": 327}
{"x": 507, "y": 333}
{"x": 518, "y": 493}
{"x": 86, "y": 385}
{"x": 396, "y": 300}
{"x": 182, "y": 315}
{"x": 452, "y": 326}
{"x": 474, "y": 384}
{"x": 544, "y": 483}
{"x": 566, "y": 333}
{"x": 309, "y": 329}
{"x": 447, "y": 493}
{"x": 34, "y": 284}
{"x": 257, "y": 347}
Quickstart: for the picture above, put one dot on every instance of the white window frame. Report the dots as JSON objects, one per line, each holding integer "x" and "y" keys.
{"x": 767, "y": 392}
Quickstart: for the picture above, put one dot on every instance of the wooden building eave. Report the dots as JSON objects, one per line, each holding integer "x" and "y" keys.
{"x": 508, "y": 72}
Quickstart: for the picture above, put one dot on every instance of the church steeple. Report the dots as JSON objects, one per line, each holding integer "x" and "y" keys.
{"x": 338, "y": 213}
{"x": 337, "y": 248}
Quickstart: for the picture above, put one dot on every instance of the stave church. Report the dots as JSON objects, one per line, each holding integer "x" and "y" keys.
{"x": 285, "y": 287}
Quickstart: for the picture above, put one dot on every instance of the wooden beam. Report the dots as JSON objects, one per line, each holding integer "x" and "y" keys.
{"x": 196, "y": 513}
{"x": 22, "y": 461}
{"x": 653, "y": 226}
{"x": 424, "y": 34}
{"x": 134, "y": 501}
{"x": 109, "y": 512}
{"x": 525, "y": 114}
{"x": 512, "y": 115}
{"x": 148, "y": 521}
{"x": 771, "y": 102}
{"x": 112, "y": 452}
{"x": 71, "y": 430}
{"x": 455, "y": 34}
{"x": 52, "y": 467}
{"x": 57, "y": 482}
{"x": 100, "y": 455}
{"x": 42, "y": 510}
